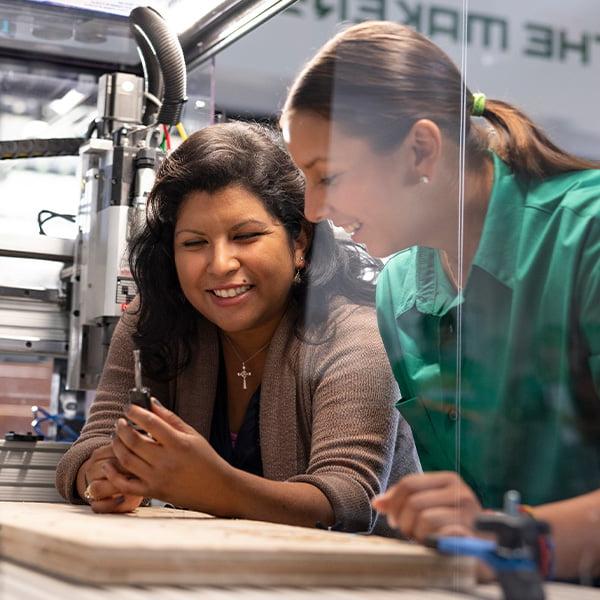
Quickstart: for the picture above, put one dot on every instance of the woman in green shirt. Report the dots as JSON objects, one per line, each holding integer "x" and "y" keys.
{"x": 490, "y": 312}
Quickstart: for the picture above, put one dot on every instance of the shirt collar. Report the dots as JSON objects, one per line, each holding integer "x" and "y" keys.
{"x": 498, "y": 246}
{"x": 417, "y": 273}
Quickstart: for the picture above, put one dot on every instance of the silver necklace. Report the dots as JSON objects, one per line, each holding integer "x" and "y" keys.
{"x": 244, "y": 373}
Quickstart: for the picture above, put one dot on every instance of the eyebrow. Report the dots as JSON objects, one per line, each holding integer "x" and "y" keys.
{"x": 249, "y": 222}
{"x": 235, "y": 227}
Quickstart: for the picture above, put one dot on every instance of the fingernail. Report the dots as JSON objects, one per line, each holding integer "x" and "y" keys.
{"x": 119, "y": 499}
{"x": 155, "y": 401}
{"x": 392, "y": 521}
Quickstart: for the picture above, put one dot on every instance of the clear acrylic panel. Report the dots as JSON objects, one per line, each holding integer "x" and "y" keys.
{"x": 199, "y": 110}
{"x": 530, "y": 321}
{"x": 462, "y": 156}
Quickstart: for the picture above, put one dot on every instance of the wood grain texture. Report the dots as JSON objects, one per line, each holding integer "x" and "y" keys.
{"x": 168, "y": 546}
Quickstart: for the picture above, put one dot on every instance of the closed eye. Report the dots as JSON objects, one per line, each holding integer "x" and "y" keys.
{"x": 192, "y": 243}
{"x": 252, "y": 235}
{"x": 329, "y": 179}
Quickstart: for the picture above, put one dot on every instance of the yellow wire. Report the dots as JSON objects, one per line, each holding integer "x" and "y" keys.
{"x": 181, "y": 130}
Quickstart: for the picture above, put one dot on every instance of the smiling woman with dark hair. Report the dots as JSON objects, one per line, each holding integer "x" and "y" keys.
{"x": 268, "y": 409}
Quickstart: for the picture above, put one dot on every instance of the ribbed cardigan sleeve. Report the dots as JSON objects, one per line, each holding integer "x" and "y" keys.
{"x": 359, "y": 440}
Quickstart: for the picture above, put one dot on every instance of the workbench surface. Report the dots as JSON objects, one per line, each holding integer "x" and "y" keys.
{"x": 18, "y": 582}
{"x": 39, "y": 542}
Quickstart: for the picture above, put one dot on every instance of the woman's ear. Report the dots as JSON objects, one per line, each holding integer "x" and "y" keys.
{"x": 425, "y": 148}
{"x": 301, "y": 247}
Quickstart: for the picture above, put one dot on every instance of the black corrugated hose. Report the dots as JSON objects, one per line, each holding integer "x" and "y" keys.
{"x": 10, "y": 149}
{"x": 152, "y": 75}
{"x": 148, "y": 23}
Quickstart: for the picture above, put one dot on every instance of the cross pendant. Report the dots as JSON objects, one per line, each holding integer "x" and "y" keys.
{"x": 244, "y": 374}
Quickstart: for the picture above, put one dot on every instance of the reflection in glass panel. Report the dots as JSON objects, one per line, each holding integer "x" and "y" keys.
{"x": 374, "y": 121}
{"x": 530, "y": 323}
{"x": 488, "y": 300}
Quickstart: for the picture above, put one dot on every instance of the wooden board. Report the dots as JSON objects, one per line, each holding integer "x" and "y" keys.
{"x": 176, "y": 547}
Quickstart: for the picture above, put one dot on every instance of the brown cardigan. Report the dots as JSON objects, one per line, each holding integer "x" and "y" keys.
{"x": 327, "y": 413}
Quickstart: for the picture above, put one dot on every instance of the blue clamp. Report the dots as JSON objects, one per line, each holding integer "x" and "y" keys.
{"x": 485, "y": 550}
{"x": 520, "y": 555}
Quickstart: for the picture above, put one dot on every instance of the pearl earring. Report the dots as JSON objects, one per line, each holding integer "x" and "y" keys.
{"x": 423, "y": 179}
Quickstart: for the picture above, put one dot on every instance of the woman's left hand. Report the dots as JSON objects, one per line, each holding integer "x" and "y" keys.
{"x": 175, "y": 465}
{"x": 425, "y": 504}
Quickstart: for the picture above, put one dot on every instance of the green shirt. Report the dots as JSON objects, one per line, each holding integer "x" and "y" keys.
{"x": 529, "y": 411}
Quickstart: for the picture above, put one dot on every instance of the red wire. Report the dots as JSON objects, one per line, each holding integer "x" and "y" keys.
{"x": 544, "y": 558}
{"x": 545, "y": 548}
{"x": 167, "y": 136}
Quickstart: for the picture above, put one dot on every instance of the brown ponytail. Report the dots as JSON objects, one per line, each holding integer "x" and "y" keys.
{"x": 379, "y": 77}
{"x": 525, "y": 147}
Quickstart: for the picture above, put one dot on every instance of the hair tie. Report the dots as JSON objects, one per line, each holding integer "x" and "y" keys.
{"x": 478, "y": 107}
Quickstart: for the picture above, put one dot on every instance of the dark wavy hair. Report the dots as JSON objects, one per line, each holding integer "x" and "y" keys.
{"x": 211, "y": 159}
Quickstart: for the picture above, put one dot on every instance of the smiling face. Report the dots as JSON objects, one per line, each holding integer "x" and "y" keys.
{"x": 235, "y": 261}
{"x": 359, "y": 189}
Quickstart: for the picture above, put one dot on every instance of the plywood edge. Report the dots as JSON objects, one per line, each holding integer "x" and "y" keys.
{"x": 85, "y": 563}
